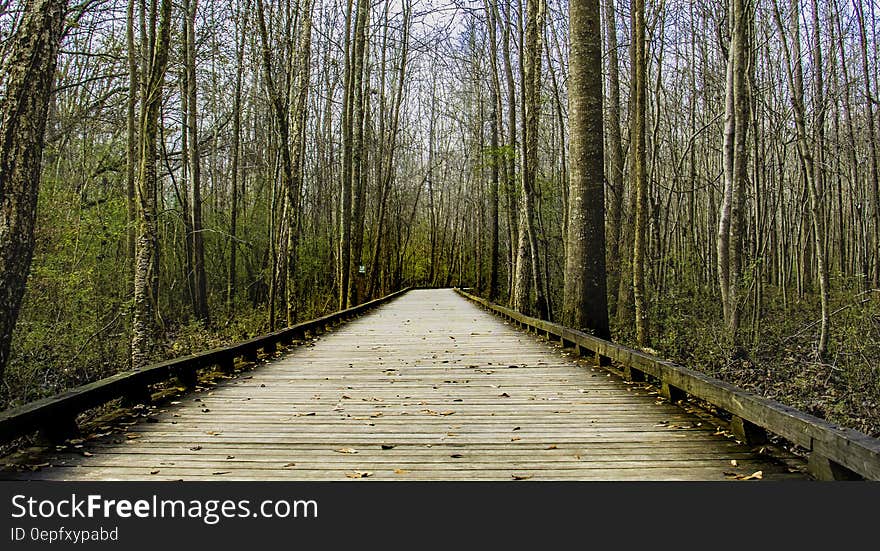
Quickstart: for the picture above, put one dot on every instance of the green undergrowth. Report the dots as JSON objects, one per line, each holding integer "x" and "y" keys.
{"x": 52, "y": 354}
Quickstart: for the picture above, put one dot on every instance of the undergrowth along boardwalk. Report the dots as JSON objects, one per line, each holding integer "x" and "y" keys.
{"x": 428, "y": 386}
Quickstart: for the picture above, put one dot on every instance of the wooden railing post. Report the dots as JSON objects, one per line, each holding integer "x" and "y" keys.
{"x": 823, "y": 468}
{"x": 672, "y": 393}
{"x": 138, "y": 394}
{"x": 746, "y": 432}
{"x": 633, "y": 374}
{"x": 187, "y": 377}
{"x": 61, "y": 429}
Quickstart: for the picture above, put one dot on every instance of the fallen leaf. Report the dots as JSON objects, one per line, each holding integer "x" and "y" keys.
{"x": 196, "y": 448}
{"x": 447, "y": 413}
{"x": 733, "y": 462}
{"x": 88, "y": 454}
{"x": 387, "y": 446}
{"x": 551, "y": 447}
{"x": 504, "y": 395}
{"x": 213, "y": 432}
{"x": 400, "y": 471}
{"x": 456, "y": 456}
{"x": 230, "y": 457}
{"x": 515, "y": 438}
{"x": 517, "y": 428}
{"x": 757, "y": 475}
{"x": 155, "y": 472}
{"x": 220, "y": 472}
{"x": 346, "y": 450}
{"x": 359, "y": 474}
{"x": 287, "y": 465}
{"x": 521, "y": 476}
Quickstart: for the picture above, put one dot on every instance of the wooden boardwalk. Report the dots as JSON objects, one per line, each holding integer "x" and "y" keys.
{"x": 428, "y": 386}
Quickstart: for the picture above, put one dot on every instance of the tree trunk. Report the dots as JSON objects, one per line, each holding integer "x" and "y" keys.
{"x": 146, "y": 266}
{"x": 639, "y": 171}
{"x": 131, "y": 136}
{"x": 294, "y": 190}
{"x": 615, "y": 156}
{"x": 197, "y": 241}
{"x": 585, "y": 304}
{"x": 873, "y": 175}
{"x": 29, "y": 72}
{"x": 811, "y": 173}
{"x": 531, "y": 112}
{"x": 358, "y": 149}
{"x": 236, "y": 160}
{"x": 281, "y": 112}
{"x": 735, "y": 161}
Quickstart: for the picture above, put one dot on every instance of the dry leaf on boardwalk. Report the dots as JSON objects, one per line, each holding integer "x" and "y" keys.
{"x": 359, "y": 474}
{"x": 400, "y": 471}
{"x": 346, "y": 450}
{"x": 521, "y": 476}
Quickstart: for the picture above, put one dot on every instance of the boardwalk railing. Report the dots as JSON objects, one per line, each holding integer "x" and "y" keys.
{"x": 835, "y": 453}
{"x": 55, "y": 417}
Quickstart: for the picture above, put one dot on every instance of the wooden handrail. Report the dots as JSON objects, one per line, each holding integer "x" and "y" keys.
{"x": 55, "y": 416}
{"x": 835, "y": 452}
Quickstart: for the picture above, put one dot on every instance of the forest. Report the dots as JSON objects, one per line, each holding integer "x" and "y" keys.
{"x": 697, "y": 179}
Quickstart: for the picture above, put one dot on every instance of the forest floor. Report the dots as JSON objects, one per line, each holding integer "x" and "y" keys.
{"x": 778, "y": 359}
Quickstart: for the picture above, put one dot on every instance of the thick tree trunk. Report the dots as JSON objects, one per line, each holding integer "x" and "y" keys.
{"x": 29, "y": 72}
{"x": 585, "y": 304}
